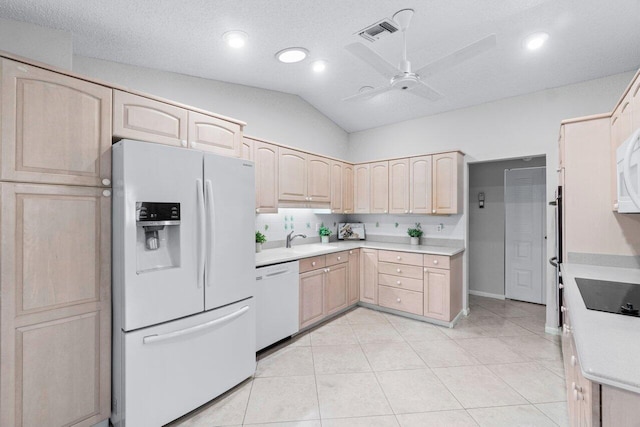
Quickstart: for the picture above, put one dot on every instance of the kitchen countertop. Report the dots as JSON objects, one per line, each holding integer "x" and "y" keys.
{"x": 278, "y": 255}
{"x": 608, "y": 344}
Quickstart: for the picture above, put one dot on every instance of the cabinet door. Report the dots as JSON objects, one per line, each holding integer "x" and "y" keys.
{"x": 335, "y": 289}
{"x": 621, "y": 122}
{"x": 347, "y": 188}
{"x": 362, "y": 189}
{"x": 55, "y": 129}
{"x": 399, "y": 186}
{"x": 447, "y": 183}
{"x": 311, "y": 297}
{"x": 337, "y": 184}
{"x": 319, "y": 180}
{"x": 144, "y": 119}
{"x": 369, "y": 276}
{"x": 436, "y": 293}
{"x": 214, "y": 135}
{"x": 354, "y": 276}
{"x": 247, "y": 149}
{"x": 420, "y": 185}
{"x": 379, "y": 187}
{"x": 292, "y": 182}
{"x": 265, "y": 156}
{"x": 635, "y": 104}
{"x": 55, "y": 311}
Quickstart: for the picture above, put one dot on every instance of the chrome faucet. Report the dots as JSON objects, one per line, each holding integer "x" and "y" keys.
{"x": 290, "y": 238}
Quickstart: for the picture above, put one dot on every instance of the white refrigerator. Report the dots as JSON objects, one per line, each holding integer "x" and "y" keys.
{"x": 183, "y": 280}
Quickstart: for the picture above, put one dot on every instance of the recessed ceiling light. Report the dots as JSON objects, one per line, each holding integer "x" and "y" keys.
{"x": 319, "y": 65}
{"x": 236, "y": 39}
{"x": 292, "y": 54}
{"x": 535, "y": 41}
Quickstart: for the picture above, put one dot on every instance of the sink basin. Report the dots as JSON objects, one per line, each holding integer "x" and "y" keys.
{"x": 311, "y": 248}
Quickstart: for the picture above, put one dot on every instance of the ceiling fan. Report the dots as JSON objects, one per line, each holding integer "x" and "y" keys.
{"x": 402, "y": 77}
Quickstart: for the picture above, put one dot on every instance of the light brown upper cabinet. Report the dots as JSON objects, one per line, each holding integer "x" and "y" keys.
{"x": 265, "y": 156}
{"x": 621, "y": 129}
{"x": 214, "y": 135}
{"x": 362, "y": 188}
{"x": 55, "y": 129}
{"x": 447, "y": 183}
{"x": 379, "y": 187}
{"x": 304, "y": 178}
{"x": 347, "y": 188}
{"x": 144, "y": 119}
{"x": 337, "y": 185}
{"x": 420, "y": 185}
{"x": 399, "y": 186}
{"x": 635, "y": 104}
{"x": 247, "y": 149}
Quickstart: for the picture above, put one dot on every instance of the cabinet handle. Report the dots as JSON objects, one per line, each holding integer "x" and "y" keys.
{"x": 257, "y": 210}
{"x": 398, "y": 300}
{"x": 310, "y": 198}
{"x": 410, "y": 211}
{"x": 563, "y": 309}
{"x": 106, "y": 193}
{"x": 398, "y": 270}
{"x": 433, "y": 211}
{"x": 399, "y": 257}
{"x": 398, "y": 282}
{"x": 106, "y": 182}
{"x": 385, "y": 211}
{"x": 435, "y": 261}
{"x": 425, "y": 269}
{"x": 561, "y": 286}
{"x": 350, "y": 252}
{"x": 193, "y": 144}
{"x": 573, "y": 360}
{"x": 339, "y": 258}
{"x": 406, "y": 211}
{"x": 183, "y": 142}
{"x": 313, "y": 264}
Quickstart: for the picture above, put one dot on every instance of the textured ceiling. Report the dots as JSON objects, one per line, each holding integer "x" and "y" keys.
{"x": 588, "y": 39}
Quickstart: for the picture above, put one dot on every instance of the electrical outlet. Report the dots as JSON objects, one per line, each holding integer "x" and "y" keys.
{"x": 317, "y": 227}
{"x": 440, "y": 227}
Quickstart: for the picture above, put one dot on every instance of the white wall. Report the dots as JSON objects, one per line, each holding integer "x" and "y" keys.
{"x": 515, "y": 127}
{"x": 53, "y": 47}
{"x": 452, "y": 226}
{"x": 275, "y": 116}
{"x": 486, "y": 226}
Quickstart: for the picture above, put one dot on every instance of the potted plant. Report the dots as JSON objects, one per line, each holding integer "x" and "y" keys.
{"x": 260, "y": 239}
{"x": 415, "y": 233}
{"x": 324, "y": 233}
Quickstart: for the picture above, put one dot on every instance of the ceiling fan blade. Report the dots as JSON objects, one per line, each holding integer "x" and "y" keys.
{"x": 376, "y": 61}
{"x": 425, "y": 91}
{"x": 368, "y": 94}
{"x": 459, "y": 56}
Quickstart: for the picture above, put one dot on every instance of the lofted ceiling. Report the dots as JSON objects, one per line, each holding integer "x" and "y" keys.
{"x": 588, "y": 39}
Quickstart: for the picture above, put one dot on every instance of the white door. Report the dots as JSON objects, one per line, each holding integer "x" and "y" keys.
{"x": 524, "y": 201}
{"x": 230, "y": 239}
{"x": 163, "y": 282}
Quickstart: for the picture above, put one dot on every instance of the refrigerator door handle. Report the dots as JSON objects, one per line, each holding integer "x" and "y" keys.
{"x": 553, "y": 261}
{"x": 150, "y": 339}
{"x": 211, "y": 219}
{"x": 201, "y": 232}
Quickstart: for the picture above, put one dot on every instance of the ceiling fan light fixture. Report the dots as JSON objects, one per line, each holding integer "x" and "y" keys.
{"x": 535, "y": 41}
{"x": 319, "y": 65}
{"x": 235, "y": 38}
{"x": 292, "y": 55}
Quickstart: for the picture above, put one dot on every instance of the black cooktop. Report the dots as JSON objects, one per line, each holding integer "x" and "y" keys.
{"x": 612, "y": 297}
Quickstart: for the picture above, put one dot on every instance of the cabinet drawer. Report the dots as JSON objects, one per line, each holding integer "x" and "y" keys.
{"x": 437, "y": 261}
{"x": 401, "y": 270}
{"x": 308, "y": 264}
{"x": 400, "y": 282}
{"x": 399, "y": 299}
{"x": 400, "y": 257}
{"x": 337, "y": 258}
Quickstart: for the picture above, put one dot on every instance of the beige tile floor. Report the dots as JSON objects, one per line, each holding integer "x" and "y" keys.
{"x": 497, "y": 367}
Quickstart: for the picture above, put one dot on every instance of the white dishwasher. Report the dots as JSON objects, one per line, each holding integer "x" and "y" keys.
{"x": 276, "y": 303}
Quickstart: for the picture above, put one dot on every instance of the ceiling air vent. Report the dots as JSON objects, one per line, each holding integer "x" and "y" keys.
{"x": 378, "y": 30}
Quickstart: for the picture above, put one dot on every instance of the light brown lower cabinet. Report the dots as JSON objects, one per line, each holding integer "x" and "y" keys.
{"x": 311, "y": 297}
{"x": 369, "y": 275}
{"x": 335, "y": 288}
{"x": 55, "y": 312}
{"x": 354, "y": 276}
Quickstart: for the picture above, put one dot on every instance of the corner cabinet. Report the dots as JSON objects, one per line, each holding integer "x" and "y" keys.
{"x": 337, "y": 187}
{"x": 347, "y": 189}
{"x": 369, "y": 276}
{"x": 447, "y": 183}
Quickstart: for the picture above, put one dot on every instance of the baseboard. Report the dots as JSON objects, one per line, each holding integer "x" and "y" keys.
{"x": 486, "y": 294}
{"x": 552, "y": 330}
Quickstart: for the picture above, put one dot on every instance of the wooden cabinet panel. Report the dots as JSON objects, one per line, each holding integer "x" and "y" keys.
{"x": 336, "y": 258}
{"x": 266, "y": 159}
{"x": 400, "y": 282}
{"x": 292, "y": 182}
{"x": 437, "y": 261}
{"x": 400, "y": 270}
{"x": 313, "y": 263}
{"x": 354, "y": 276}
{"x": 144, "y": 119}
{"x": 447, "y": 183}
{"x": 54, "y": 128}
{"x": 635, "y": 104}
{"x": 347, "y": 188}
{"x": 246, "y": 152}
{"x": 311, "y": 297}
{"x": 336, "y": 294}
{"x": 399, "y": 186}
{"x": 362, "y": 189}
{"x": 369, "y": 276}
{"x": 319, "y": 179}
{"x": 400, "y": 299}
{"x": 621, "y": 129}
{"x": 55, "y": 311}
{"x": 400, "y": 257}
{"x": 436, "y": 293}
{"x": 214, "y": 135}
{"x": 619, "y": 407}
{"x": 337, "y": 186}
{"x": 420, "y": 185}
{"x": 379, "y": 195}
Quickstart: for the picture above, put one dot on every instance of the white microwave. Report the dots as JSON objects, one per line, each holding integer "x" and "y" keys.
{"x": 628, "y": 171}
